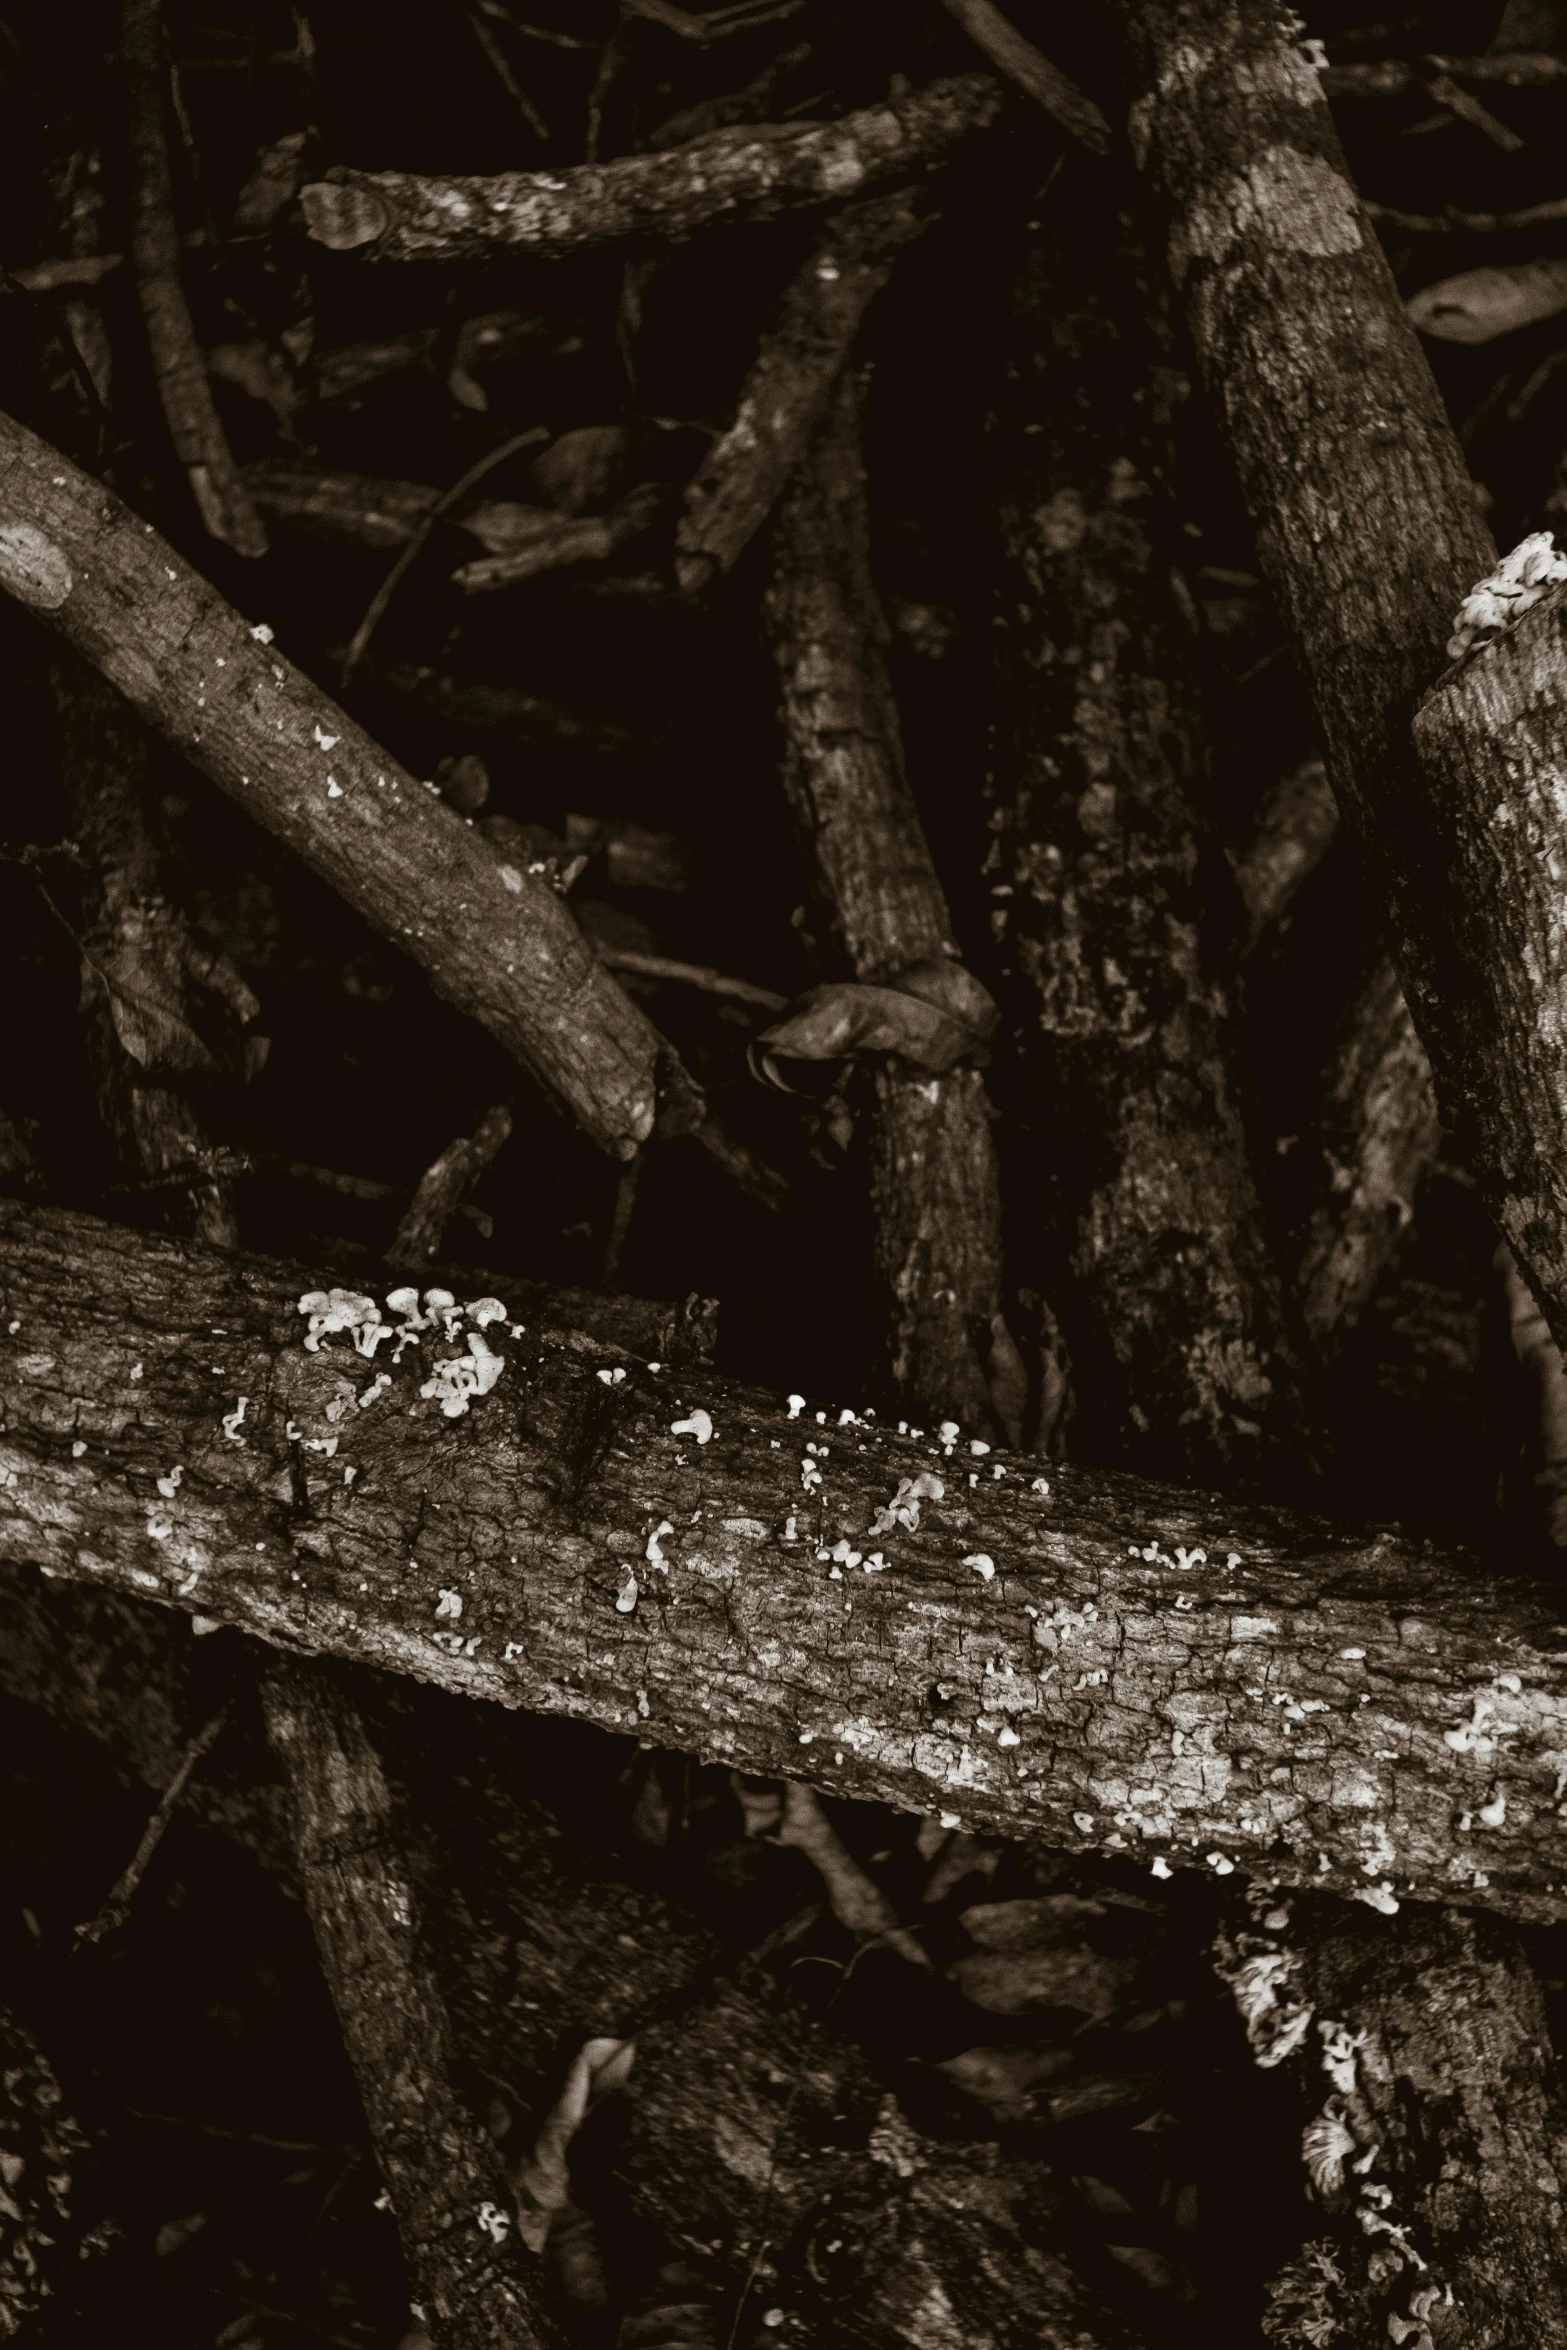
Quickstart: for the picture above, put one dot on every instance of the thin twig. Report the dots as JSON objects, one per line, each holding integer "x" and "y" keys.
{"x": 116, "y": 1908}
{"x": 376, "y": 610}
{"x": 666, "y": 968}
{"x": 503, "y": 73}
{"x": 1033, "y": 73}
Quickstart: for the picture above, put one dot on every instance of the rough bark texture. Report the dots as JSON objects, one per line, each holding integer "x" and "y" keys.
{"x": 441, "y": 2169}
{"x": 734, "y": 177}
{"x": 1489, "y": 738}
{"x": 1367, "y": 523}
{"x": 792, "y": 2143}
{"x": 494, "y": 941}
{"x": 1135, "y": 1209}
{"x": 935, "y": 1191}
{"x": 1434, "y": 2127}
{"x": 1315, "y": 1705}
{"x": 148, "y": 990}
{"x": 791, "y": 381}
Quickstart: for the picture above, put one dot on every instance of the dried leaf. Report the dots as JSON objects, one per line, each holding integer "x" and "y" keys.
{"x": 275, "y": 180}
{"x": 584, "y": 470}
{"x": 676, "y": 2311}
{"x": 541, "y": 2183}
{"x": 934, "y": 1015}
{"x": 1001, "y": 2078}
{"x": 1024, "y": 1925}
{"x": 1033, "y": 1954}
{"x": 1480, "y": 304}
{"x": 502, "y": 526}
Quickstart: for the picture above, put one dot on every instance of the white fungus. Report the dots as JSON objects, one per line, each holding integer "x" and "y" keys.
{"x": 696, "y": 1423}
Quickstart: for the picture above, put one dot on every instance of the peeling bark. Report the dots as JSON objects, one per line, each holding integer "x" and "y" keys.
{"x": 1134, "y": 1207}
{"x": 1309, "y": 1704}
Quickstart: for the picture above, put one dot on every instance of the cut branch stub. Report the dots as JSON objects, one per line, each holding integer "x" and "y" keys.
{"x": 493, "y": 939}
{"x": 1097, "y": 1663}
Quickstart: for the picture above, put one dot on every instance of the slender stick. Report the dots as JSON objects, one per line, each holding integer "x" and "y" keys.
{"x": 116, "y": 1904}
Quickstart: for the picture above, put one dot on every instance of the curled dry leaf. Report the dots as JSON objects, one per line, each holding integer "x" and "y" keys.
{"x": 541, "y": 2182}
{"x": 163, "y": 988}
{"x": 1480, "y": 304}
{"x": 933, "y": 1015}
{"x": 855, "y": 1899}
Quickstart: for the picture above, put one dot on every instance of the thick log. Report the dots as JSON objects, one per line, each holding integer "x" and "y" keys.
{"x": 1367, "y": 523}
{"x": 1132, "y": 1200}
{"x": 1489, "y": 739}
{"x": 1219, "y": 1684}
{"x": 752, "y": 172}
{"x": 493, "y": 940}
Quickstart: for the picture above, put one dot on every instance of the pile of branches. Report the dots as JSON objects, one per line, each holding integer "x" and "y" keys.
{"x": 881, "y": 928}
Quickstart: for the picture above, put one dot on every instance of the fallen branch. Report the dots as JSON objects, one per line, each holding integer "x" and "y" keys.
{"x": 1144, "y": 1228}
{"x": 734, "y": 177}
{"x": 1292, "y": 827}
{"x": 791, "y": 382}
{"x": 445, "y": 2179}
{"x": 1489, "y": 740}
{"x": 1033, "y": 73}
{"x": 1271, "y": 254}
{"x": 419, "y": 1237}
{"x": 935, "y": 1192}
{"x": 493, "y": 939}
{"x": 115, "y": 1907}
{"x": 178, "y": 362}
{"x": 1197, "y": 1678}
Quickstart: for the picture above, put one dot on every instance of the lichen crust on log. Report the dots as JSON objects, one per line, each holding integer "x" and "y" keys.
{"x": 1108, "y": 1664}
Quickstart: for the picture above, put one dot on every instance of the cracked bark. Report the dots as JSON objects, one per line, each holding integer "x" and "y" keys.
{"x": 934, "y": 1188}
{"x": 1134, "y": 1206}
{"x": 734, "y": 177}
{"x": 1367, "y": 524}
{"x": 495, "y": 942}
{"x": 1310, "y": 1704}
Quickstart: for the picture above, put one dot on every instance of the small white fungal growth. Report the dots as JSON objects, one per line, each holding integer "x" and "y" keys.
{"x": 1160, "y": 1867}
{"x": 1520, "y": 580}
{"x": 1276, "y": 2021}
{"x": 904, "y": 1507}
{"x": 977, "y": 1449}
{"x": 611, "y": 1378}
{"x": 449, "y": 1604}
{"x": 485, "y": 1310}
{"x": 1494, "y": 1812}
{"x": 653, "y": 1554}
{"x": 626, "y": 1596}
{"x": 1007, "y": 1736}
{"x": 1083, "y": 1822}
{"x": 135, "y": 1370}
{"x": 796, "y": 1406}
{"x": 1221, "y": 1864}
{"x": 342, "y": 1309}
{"x": 494, "y": 2223}
{"x": 327, "y": 741}
{"x": 1326, "y": 2144}
{"x": 1340, "y": 2047}
{"x": 231, "y": 1420}
{"x": 77, "y": 1449}
{"x": 696, "y": 1423}
{"x": 983, "y": 1565}
{"x": 378, "y": 1386}
{"x": 158, "y": 1526}
{"x": 1040, "y": 1485}
{"x": 261, "y": 633}
{"x": 334, "y": 790}
{"x": 455, "y": 1382}
{"x": 1380, "y": 1897}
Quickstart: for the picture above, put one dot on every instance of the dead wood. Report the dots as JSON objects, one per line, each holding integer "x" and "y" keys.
{"x": 733, "y": 177}
{"x": 1136, "y": 1210}
{"x": 934, "y": 1188}
{"x": 1315, "y": 377}
{"x": 1022, "y": 63}
{"x": 792, "y": 2145}
{"x": 1489, "y": 742}
{"x": 483, "y": 706}
{"x": 162, "y": 1010}
{"x": 1292, "y": 827}
{"x": 178, "y": 361}
{"x": 1224, "y": 1684}
{"x": 1434, "y": 2134}
{"x": 564, "y": 540}
{"x": 797, "y": 365}
{"x": 493, "y": 939}
{"x": 419, "y": 1237}
{"x": 470, "y": 2284}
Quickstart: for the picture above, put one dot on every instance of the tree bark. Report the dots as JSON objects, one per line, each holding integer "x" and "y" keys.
{"x": 494, "y": 941}
{"x": 1133, "y": 1204}
{"x": 1312, "y": 1705}
{"x": 445, "y": 2178}
{"x": 735, "y": 177}
{"x": 1489, "y": 738}
{"x": 1367, "y": 523}
{"x": 935, "y": 1193}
